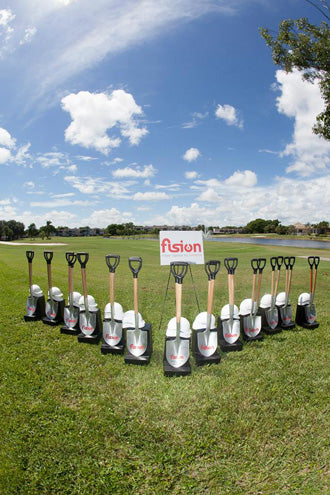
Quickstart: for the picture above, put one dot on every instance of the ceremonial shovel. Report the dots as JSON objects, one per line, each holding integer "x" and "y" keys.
{"x": 251, "y": 323}
{"x": 71, "y": 310}
{"x": 113, "y": 341}
{"x": 35, "y": 303}
{"x": 89, "y": 316}
{"x": 177, "y": 340}
{"x": 306, "y": 313}
{"x": 205, "y": 335}
{"x": 228, "y": 322}
{"x": 138, "y": 333}
{"x": 55, "y": 303}
{"x": 283, "y": 298}
{"x": 269, "y": 311}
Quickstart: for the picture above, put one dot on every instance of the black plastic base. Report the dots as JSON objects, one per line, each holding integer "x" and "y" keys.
{"x": 181, "y": 371}
{"x": 95, "y": 337}
{"x": 284, "y": 325}
{"x": 39, "y": 311}
{"x": 201, "y": 360}
{"x": 224, "y": 345}
{"x": 302, "y": 321}
{"x": 112, "y": 349}
{"x": 52, "y": 323}
{"x": 246, "y": 337}
{"x": 146, "y": 356}
{"x": 70, "y": 331}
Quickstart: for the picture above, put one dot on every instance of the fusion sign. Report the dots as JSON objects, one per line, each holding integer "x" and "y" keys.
{"x": 181, "y": 246}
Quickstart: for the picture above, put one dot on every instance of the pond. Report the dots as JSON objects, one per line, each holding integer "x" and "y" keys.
{"x": 302, "y": 243}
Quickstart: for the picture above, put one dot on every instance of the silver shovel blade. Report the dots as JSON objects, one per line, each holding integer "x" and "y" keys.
{"x": 286, "y": 314}
{"x": 137, "y": 341}
{"x": 207, "y": 342}
{"x": 310, "y": 313}
{"x": 177, "y": 352}
{"x": 112, "y": 331}
{"x": 71, "y": 316}
{"x": 31, "y": 304}
{"x": 252, "y": 325}
{"x": 87, "y": 322}
{"x": 231, "y": 330}
{"x": 272, "y": 317}
{"x": 51, "y": 309}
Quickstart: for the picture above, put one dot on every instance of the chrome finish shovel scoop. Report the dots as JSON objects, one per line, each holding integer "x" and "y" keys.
{"x": 112, "y": 325}
{"x": 87, "y": 320}
{"x": 71, "y": 312}
{"x": 51, "y": 305}
{"x": 252, "y": 322}
{"x": 136, "y": 339}
{"x": 229, "y": 313}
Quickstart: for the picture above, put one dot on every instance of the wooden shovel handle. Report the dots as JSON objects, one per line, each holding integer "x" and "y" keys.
{"x": 49, "y": 275}
{"x": 112, "y": 286}
{"x": 84, "y": 281}
{"x": 136, "y": 302}
{"x": 231, "y": 288}
{"x": 30, "y": 275}
{"x": 254, "y": 286}
{"x": 210, "y": 296}
{"x": 70, "y": 276}
{"x": 178, "y": 301}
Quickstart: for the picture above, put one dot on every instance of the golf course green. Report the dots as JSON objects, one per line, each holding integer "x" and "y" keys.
{"x": 74, "y": 421}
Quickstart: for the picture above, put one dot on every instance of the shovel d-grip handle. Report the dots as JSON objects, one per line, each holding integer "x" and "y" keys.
{"x": 273, "y": 262}
{"x": 279, "y": 262}
{"x": 255, "y": 265}
{"x": 231, "y": 265}
{"x": 289, "y": 262}
{"x": 112, "y": 265}
{"x": 48, "y": 255}
{"x": 261, "y": 264}
{"x": 135, "y": 269}
{"x": 30, "y": 256}
{"x": 212, "y": 267}
{"x": 83, "y": 259}
{"x": 70, "y": 258}
{"x": 313, "y": 261}
{"x": 179, "y": 270}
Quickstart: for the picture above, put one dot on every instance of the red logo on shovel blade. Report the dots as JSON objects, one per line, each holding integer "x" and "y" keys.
{"x": 251, "y": 330}
{"x": 207, "y": 347}
{"x": 113, "y": 337}
{"x": 230, "y": 335}
{"x": 176, "y": 357}
{"x": 132, "y": 346}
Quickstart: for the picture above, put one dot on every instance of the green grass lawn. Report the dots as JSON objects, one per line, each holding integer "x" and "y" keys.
{"x": 74, "y": 421}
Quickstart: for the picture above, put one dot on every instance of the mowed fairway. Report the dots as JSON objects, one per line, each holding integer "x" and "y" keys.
{"x": 76, "y": 422}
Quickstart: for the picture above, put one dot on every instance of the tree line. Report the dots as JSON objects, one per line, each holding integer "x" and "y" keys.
{"x": 12, "y": 230}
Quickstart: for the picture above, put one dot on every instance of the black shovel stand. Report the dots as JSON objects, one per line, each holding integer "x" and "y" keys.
{"x": 93, "y": 338}
{"x": 59, "y": 318}
{"x": 211, "y": 268}
{"x": 72, "y": 330}
{"x": 275, "y": 262}
{"x": 258, "y": 265}
{"x": 39, "y": 311}
{"x": 301, "y": 315}
{"x": 231, "y": 265}
{"x": 289, "y": 262}
{"x": 135, "y": 265}
{"x": 178, "y": 270}
{"x": 119, "y": 347}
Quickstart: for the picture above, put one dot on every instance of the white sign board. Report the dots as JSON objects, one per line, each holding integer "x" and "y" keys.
{"x": 181, "y": 246}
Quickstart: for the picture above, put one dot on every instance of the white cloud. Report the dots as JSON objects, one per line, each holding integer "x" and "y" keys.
{"x": 209, "y": 196}
{"x": 191, "y": 154}
{"x": 98, "y": 185}
{"x": 103, "y": 218}
{"x": 6, "y": 139}
{"x": 192, "y": 174}
{"x": 29, "y": 184}
{"x": 58, "y": 203}
{"x": 302, "y": 101}
{"x": 28, "y": 35}
{"x": 138, "y": 172}
{"x": 150, "y": 196}
{"x": 229, "y": 114}
{"x": 6, "y": 18}
{"x": 5, "y": 155}
{"x": 93, "y": 114}
{"x": 197, "y": 118}
{"x": 247, "y": 178}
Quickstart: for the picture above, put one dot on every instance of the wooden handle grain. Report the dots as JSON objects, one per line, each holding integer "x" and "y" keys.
{"x": 231, "y": 289}
{"x": 70, "y": 280}
{"x": 178, "y": 301}
{"x": 30, "y": 275}
{"x": 254, "y": 287}
{"x": 84, "y": 282}
{"x": 112, "y": 287}
{"x": 49, "y": 274}
{"x": 136, "y": 302}
{"x": 210, "y": 296}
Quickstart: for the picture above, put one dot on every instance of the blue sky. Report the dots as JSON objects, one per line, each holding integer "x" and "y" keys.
{"x": 167, "y": 112}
